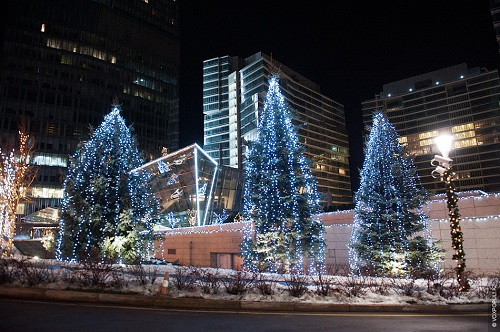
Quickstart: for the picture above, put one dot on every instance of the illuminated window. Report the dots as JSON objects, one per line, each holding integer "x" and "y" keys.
{"x": 403, "y": 139}
{"x": 42, "y": 29}
{"x": 426, "y": 142}
{"x": 465, "y": 134}
{"x": 464, "y": 127}
{"x": 465, "y": 143}
{"x": 46, "y": 192}
{"x": 428, "y": 134}
{"x": 50, "y": 160}
{"x": 341, "y": 171}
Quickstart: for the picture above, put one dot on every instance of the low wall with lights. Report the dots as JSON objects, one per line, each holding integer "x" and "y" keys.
{"x": 219, "y": 245}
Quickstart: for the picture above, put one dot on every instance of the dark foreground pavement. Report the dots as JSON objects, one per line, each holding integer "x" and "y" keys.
{"x": 167, "y": 302}
{"x": 49, "y": 316}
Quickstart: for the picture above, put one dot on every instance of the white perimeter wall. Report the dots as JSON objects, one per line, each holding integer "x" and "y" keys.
{"x": 480, "y": 222}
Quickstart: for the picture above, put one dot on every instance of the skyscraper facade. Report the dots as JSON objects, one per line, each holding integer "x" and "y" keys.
{"x": 234, "y": 90}
{"x": 461, "y": 101}
{"x": 62, "y": 63}
{"x": 495, "y": 14}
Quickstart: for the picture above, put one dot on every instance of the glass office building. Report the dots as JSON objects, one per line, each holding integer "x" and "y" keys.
{"x": 63, "y": 62}
{"x": 461, "y": 101}
{"x": 234, "y": 91}
{"x": 193, "y": 189}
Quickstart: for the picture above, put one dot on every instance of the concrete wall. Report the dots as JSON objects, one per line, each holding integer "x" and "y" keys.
{"x": 197, "y": 246}
{"x": 219, "y": 245}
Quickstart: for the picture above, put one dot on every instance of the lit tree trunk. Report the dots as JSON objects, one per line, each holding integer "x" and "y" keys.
{"x": 16, "y": 175}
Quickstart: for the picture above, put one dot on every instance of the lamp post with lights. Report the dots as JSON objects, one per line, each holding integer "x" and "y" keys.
{"x": 444, "y": 171}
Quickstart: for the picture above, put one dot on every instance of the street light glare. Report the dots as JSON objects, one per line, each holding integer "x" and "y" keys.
{"x": 444, "y": 144}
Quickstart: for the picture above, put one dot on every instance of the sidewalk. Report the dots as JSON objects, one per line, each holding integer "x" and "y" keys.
{"x": 161, "y": 301}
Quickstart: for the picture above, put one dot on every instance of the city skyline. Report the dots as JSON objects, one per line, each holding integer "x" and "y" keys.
{"x": 350, "y": 50}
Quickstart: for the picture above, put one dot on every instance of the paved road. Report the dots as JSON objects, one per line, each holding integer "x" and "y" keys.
{"x": 38, "y": 316}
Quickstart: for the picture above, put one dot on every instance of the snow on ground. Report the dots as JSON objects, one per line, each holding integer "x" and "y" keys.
{"x": 343, "y": 289}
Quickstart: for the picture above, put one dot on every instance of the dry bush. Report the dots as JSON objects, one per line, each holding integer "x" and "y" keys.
{"x": 9, "y": 271}
{"x": 185, "y": 278}
{"x": 296, "y": 284}
{"x": 97, "y": 275}
{"x": 352, "y": 286}
{"x": 405, "y": 287}
{"x": 340, "y": 269}
{"x": 209, "y": 282}
{"x": 446, "y": 285}
{"x": 381, "y": 287}
{"x": 239, "y": 282}
{"x": 494, "y": 285}
{"x": 36, "y": 273}
{"x": 265, "y": 287}
{"x": 144, "y": 274}
{"x": 323, "y": 283}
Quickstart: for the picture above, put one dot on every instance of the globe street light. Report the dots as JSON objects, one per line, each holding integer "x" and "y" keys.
{"x": 444, "y": 171}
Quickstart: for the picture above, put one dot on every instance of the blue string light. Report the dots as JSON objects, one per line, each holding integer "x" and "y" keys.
{"x": 390, "y": 235}
{"x": 105, "y": 208}
{"x": 281, "y": 201}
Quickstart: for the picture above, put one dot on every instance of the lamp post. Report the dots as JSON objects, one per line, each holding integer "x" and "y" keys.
{"x": 444, "y": 171}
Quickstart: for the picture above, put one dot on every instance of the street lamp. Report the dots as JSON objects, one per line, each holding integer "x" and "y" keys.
{"x": 444, "y": 171}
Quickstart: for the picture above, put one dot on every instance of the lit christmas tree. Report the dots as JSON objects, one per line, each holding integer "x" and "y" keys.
{"x": 390, "y": 235}
{"x": 107, "y": 211}
{"x": 281, "y": 199}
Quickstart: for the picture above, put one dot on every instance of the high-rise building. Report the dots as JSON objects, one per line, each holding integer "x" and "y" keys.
{"x": 63, "y": 62}
{"x": 234, "y": 90}
{"x": 461, "y": 101}
{"x": 495, "y": 14}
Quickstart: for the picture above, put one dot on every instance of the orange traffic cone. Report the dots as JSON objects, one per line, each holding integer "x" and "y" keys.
{"x": 164, "y": 290}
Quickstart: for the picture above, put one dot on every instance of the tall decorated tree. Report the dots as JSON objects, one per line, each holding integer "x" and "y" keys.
{"x": 16, "y": 176}
{"x": 281, "y": 201}
{"x": 391, "y": 235}
{"x": 107, "y": 211}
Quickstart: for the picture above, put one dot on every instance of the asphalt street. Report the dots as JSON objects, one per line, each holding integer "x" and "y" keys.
{"x": 25, "y": 315}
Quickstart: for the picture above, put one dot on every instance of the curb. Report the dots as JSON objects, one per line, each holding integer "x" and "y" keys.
{"x": 236, "y": 305}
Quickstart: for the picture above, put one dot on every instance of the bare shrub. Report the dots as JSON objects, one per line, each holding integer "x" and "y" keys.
{"x": 296, "y": 284}
{"x": 339, "y": 269}
{"x": 210, "y": 282}
{"x": 139, "y": 273}
{"x": 381, "y": 286}
{"x": 405, "y": 287}
{"x": 479, "y": 286}
{"x": 152, "y": 273}
{"x": 352, "y": 286}
{"x": 36, "y": 273}
{"x": 144, "y": 274}
{"x": 185, "y": 278}
{"x": 99, "y": 275}
{"x": 494, "y": 285}
{"x": 323, "y": 284}
{"x": 69, "y": 276}
{"x": 446, "y": 285}
{"x": 265, "y": 287}
{"x": 9, "y": 271}
{"x": 239, "y": 282}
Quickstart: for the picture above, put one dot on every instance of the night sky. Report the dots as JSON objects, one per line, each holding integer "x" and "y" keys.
{"x": 349, "y": 48}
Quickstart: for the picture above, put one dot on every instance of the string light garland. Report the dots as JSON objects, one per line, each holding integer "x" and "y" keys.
{"x": 107, "y": 210}
{"x": 457, "y": 237}
{"x": 281, "y": 198}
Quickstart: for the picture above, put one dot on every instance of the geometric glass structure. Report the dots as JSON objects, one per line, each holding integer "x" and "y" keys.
{"x": 193, "y": 190}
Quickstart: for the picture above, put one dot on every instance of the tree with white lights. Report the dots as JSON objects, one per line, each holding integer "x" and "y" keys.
{"x": 281, "y": 198}
{"x": 391, "y": 235}
{"x": 16, "y": 175}
{"x": 107, "y": 211}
